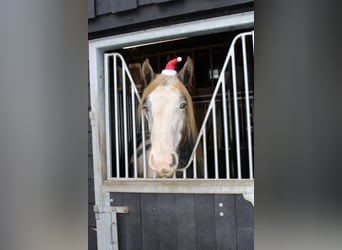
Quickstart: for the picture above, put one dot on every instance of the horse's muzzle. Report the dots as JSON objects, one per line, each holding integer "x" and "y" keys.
{"x": 163, "y": 165}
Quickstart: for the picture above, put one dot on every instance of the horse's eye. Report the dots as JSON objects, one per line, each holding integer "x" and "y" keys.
{"x": 182, "y": 105}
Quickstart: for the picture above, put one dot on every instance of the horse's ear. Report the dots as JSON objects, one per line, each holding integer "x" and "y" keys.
{"x": 186, "y": 74}
{"x": 147, "y": 72}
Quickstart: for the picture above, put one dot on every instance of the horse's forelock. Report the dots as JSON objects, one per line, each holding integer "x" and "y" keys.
{"x": 147, "y": 91}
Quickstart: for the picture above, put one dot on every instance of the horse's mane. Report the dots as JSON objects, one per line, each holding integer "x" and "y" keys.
{"x": 190, "y": 129}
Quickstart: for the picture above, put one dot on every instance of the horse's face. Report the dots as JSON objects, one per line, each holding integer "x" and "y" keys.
{"x": 166, "y": 103}
{"x": 166, "y": 114}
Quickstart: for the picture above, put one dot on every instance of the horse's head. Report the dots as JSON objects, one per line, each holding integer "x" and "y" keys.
{"x": 167, "y": 105}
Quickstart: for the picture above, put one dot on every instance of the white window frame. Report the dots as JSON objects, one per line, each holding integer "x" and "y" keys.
{"x": 97, "y": 48}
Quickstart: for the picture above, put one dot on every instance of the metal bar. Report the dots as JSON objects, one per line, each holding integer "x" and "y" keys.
{"x": 116, "y": 118}
{"x": 135, "y": 167}
{"x": 229, "y": 55}
{"x": 97, "y": 119}
{"x": 248, "y": 121}
{"x": 107, "y": 117}
{"x": 181, "y": 186}
{"x": 124, "y": 102}
{"x": 230, "y": 129}
{"x": 201, "y": 136}
{"x": 204, "y": 122}
{"x": 195, "y": 166}
{"x": 114, "y": 235}
{"x": 114, "y": 223}
{"x": 253, "y": 40}
{"x": 194, "y": 28}
{"x": 134, "y": 94}
{"x": 143, "y": 144}
{"x": 236, "y": 116}
{"x": 215, "y": 140}
{"x": 225, "y": 127}
{"x": 241, "y": 123}
{"x": 205, "y": 166}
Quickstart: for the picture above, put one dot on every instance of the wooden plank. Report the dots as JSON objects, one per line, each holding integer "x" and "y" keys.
{"x": 205, "y": 218}
{"x": 91, "y": 9}
{"x": 245, "y": 223}
{"x": 91, "y": 169}
{"x": 91, "y": 215}
{"x": 90, "y": 146}
{"x": 91, "y": 196}
{"x": 166, "y": 221}
{"x": 225, "y": 222}
{"x": 132, "y": 222}
{"x": 152, "y": 12}
{"x": 149, "y": 221}
{"x": 163, "y": 1}
{"x": 92, "y": 240}
{"x": 145, "y": 2}
{"x": 123, "y": 5}
{"x": 102, "y": 7}
{"x": 186, "y": 228}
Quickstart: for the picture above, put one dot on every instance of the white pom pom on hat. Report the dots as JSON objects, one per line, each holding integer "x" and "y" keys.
{"x": 170, "y": 67}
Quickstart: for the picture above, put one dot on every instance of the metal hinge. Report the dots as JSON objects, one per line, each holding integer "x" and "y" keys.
{"x": 99, "y": 210}
{"x": 113, "y": 212}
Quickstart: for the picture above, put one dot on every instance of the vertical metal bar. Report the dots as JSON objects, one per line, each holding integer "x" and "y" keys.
{"x": 114, "y": 235}
{"x": 134, "y": 132}
{"x": 195, "y": 166}
{"x": 184, "y": 174}
{"x": 124, "y": 102}
{"x": 248, "y": 121}
{"x": 143, "y": 144}
{"x": 230, "y": 124}
{"x": 225, "y": 126}
{"x": 215, "y": 139}
{"x": 205, "y": 165}
{"x": 253, "y": 40}
{"x": 241, "y": 121}
{"x": 230, "y": 114}
{"x": 236, "y": 116}
{"x": 107, "y": 117}
{"x": 116, "y": 117}
{"x": 120, "y": 121}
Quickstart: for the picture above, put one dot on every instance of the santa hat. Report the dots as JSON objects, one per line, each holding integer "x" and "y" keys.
{"x": 170, "y": 67}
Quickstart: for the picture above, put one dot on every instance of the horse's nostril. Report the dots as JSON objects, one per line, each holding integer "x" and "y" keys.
{"x": 174, "y": 160}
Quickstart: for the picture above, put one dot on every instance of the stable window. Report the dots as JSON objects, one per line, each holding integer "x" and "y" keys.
{"x": 223, "y": 113}
{"x": 225, "y": 139}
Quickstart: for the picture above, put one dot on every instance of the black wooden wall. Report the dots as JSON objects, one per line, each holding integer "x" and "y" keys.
{"x": 184, "y": 222}
{"x": 106, "y": 15}
{"x": 92, "y": 242}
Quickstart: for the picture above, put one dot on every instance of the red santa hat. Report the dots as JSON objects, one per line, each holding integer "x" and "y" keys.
{"x": 170, "y": 67}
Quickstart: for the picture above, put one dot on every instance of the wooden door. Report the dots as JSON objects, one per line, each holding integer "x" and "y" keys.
{"x": 184, "y": 221}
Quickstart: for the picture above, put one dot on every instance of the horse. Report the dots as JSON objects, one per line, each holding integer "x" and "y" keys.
{"x": 166, "y": 104}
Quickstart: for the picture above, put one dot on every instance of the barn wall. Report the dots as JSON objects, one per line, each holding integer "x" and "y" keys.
{"x": 92, "y": 242}
{"x": 109, "y": 17}
{"x": 115, "y": 16}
